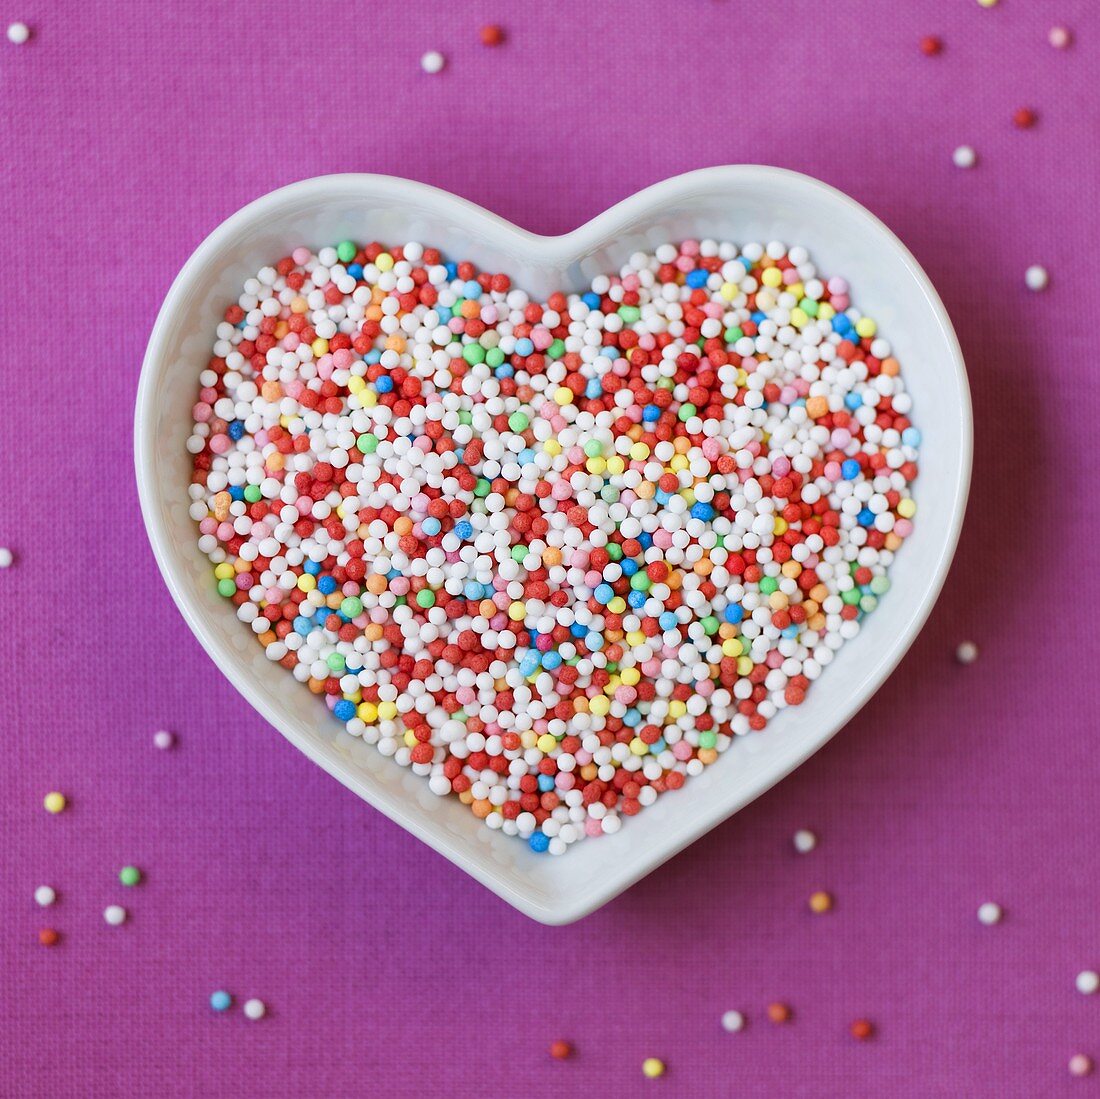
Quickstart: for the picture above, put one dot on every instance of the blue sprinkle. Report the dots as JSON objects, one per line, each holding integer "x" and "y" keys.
{"x": 662, "y": 497}
{"x": 327, "y": 585}
{"x": 525, "y": 457}
{"x": 790, "y": 631}
{"x": 849, "y": 469}
{"x": 866, "y": 518}
{"x": 464, "y": 529}
{"x": 632, "y": 717}
{"x": 759, "y": 316}
{"x": 591, "y": 299}
{"x": 702, "y": 511}
{"x": 431, "y": 526}
{"x": 629, "y": 566}
{"x": 593, "y": 389}
{"x": 505, "y": 370}
{"x": 384, "y": 384}
{"x": 312, "y": 567}
{"x": 220, "y": 1001}
{"x": 539, "y": 841}
{"x": 637, "y": 599}
{"x": 651, "y": 413}
{"x": 593, "y": 641}
{"x": 236, "y": 492}
{"x": 524, "y": 347}
{"x": 444, "y": 313}
{"x": 658, "y": 746}
{"x": 355, "y": 270}
{"x": 698, "y": 278}
{"x": 852, "y": 401}
{"x": 472, "y": 289}
{"x": 303, "y": 625}
{"x": 911, "y": 436}
{"x": 551, "y": 660}
{"x": 529, "y": 664}
{"x": 645, "y": 539}
{"x": 452, "y": 270}
{"x": 344, "y": 710}
{"x": 734, "y": 613}
{"x": 604, "y": 593}
{"x": 668, "y": 620}
{"x": 372, "y": 356}
{"x": 577, "y": 630}
{"x": 546, "y": 783}
{"x": 473, "y": 590}
{"x": 236, "y": 429}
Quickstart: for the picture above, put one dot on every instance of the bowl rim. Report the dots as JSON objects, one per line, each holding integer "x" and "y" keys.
{"x": 556, "y": 248}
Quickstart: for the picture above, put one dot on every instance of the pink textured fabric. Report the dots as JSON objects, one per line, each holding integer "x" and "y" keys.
{"x": 129, "y": 130}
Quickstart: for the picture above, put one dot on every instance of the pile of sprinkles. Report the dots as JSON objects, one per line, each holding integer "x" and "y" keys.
{"x": 552, "y": 556}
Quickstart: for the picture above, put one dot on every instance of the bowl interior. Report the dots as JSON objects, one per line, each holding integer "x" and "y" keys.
{"x": 738, "y": 204}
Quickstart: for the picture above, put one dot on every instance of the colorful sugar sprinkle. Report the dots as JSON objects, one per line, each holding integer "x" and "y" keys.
{"x": 1036, "y": 277}
{"x": 492, "y": 35}
{"x": 561, "y": 1050}
{"x": 930, "y": 45}
{"x": 733, "y": 1021}
{"x": 49, "y": 937}
{"x": 861, "y": 1030}
{"x": 1080, "y": 1064}
{"x": 820, "y": 902}
{"x": 6, "y": 557}
{"x": 115, "y": 915}
{"x": 964, "y": 157}
{"x": 44, "y": 896}
{"x": 1087, "y": 982}
{"x": 553, "y": 556}
{"x": 804, "y": 841}
{"x": 653, "y": 1067}
{"x": 433, "y": 61}
{"x": 18, "y": 33}
{"x": 254, "y": 1009}
{"x": 220, "y": 1000}
{"x": 779, "y": 1012}
{"x": 163, "y": 739}
{"x": 990, "y": 913}
{"x": 1024, "y": 118}
{"x": 54, "y": 802}
{"x": 967, "y": 652}
{"x": 1059, "y": 37}
{"x": 129, "y": 875}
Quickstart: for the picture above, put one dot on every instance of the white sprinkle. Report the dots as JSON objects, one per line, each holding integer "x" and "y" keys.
{"x": 1059, "y": 37}
{"x": 1036, "y": 277}
{"x": 964, "y": 157}
{"x": 804, "y": 841}
{"x": 1088, "y": 981}
{"x": 163, "y": 739}
{"x": 6, "y": 557}
{"x": 18, "y": 33}
{"x": 1080, "y": 1064}
{"x": 114, "y": 914}
{"x": 990, "y": 913}
{"x": 45, "y": 896}
{"x": 254, "y": 1009}
{"x": 967, "y": 652}
{"x": 733, "y": 1021}
{"x": 433, "y": 61}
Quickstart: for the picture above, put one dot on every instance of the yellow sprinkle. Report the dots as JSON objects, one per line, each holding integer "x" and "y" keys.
{"x": 224, "y": 571}
{"x": 771, "y": 276}
{"x": 595, "y": 466}
{"x": 387, "y": 711}
{"x": 677, "y": 709}
{"x": 600, "y": 705}
{"x": 319, "y": 347}
{"x": 779, "y": 526}
{"x": 630, "y": 676}
{"x": 820, "y": 902}
{"x": 732, "y": 647}
{"x": 653, "y": 1067}
{"x": 615, "y": 466}
{"x": 552, "y": 447}
{"x": 728, "y": 290}
{"x": 355, "y": 383}
{"x": 617, "y": 605}
{"x": 369, "y": 398}
{"x": 546, "y": 743}
{"x": 907, "y": 508}
{"x": 307, "y": 582}
{"x": 639, "y": 746}
{"x": 410, "y": 739}
{"x": 529, "y": 738}
{"x": 517, "y": 611}
{"x": 866, "y": 328}
{"x": 635, "y": 638}
{"x": 53, "y": 802}
{"x": 798, "y": 317}
{"x": 825, "y": 312}
{"x": 367, "y": 713}
{"x": 384, "y": 262}
{"x": 639, "y": 452}
{"x": 679, "y": 462}
{"x": 563, "y": 395}
{"x": 744, "y": 665}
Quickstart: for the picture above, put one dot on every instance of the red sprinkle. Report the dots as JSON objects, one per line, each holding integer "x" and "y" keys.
{"x": 492, "y": 35}
{"x": 561, "y": 1050}
{"x": 1024, "y": 117}
{"x": 48, "y": 937}
{"x": 930, "y": 45}
{"x": 862, "y": 1029}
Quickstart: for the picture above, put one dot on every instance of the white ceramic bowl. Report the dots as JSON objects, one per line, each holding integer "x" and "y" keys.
{"x": 738, "y": 203}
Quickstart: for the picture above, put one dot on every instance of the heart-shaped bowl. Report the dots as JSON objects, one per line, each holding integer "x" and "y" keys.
{"x": 738, "y": 203}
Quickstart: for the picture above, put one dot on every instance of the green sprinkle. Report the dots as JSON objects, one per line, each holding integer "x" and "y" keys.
{"x": 852, "y": 596}
{"x": 732, "y": 335}
{"x": 880, "y": 585}
{"x": 351, "y": 607}
{"x": 473, "y": 353}
{"x": 710, "y": 625}
{"x": 614, "y": 551}
{"x": 808, "y": 306}
{"x": 640, "y": 582}
{"x": 769, "y": 584}
{"x": 593, "y": 448}
{"x": 466, "y": 418}
{"x": 708, "y": 739}
{"x": 367, "y": 443}
{"x": 336, "y": 662}
{"x": 228, "y": 588}
{"x": 345, "y": 251}
{"x": 518, "y": 422}
{"x": 425, "y": 597}
{"x": 252, "y": 494}
{"x": 494, "y": 357}
{"x": 629, "y": 313}
{"x": 687, "y": 410}
{"x": 555, "y": 350}
{"x": 483, "y": 487}
{"x": 519, "y": 553}
{"x": 129, "y": 875}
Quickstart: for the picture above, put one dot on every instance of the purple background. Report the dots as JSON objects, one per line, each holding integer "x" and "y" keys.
{"x": 128, "y": 132}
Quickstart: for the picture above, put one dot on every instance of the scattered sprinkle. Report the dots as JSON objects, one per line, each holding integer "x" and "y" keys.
{"x": 492, "y": 35}
{"x": 561, "y": 1050}
{"x": 1059, "y": 37}
{"x": 964, "y": 157}
{"x": 220, "y": 1000}
{"x": 1088, "y": 981}
{"x": 804, "y": 841}
{"x": 114, "y": 914}
{"x": 163, "y": 739}
{"x": 18, "y": 33}
{"x": 733, "y": 1021}
{"x": 967, "y": 652}
{"x": 44, "y": 895}
{"x": 990, "y": 913}
{"x": 6, "y": 557}
{"x": 433, "y": 61}
{"x": 254, "y": 1009}
{"x": 1036, "y": 277}
{"x": 48, "y": 937}
{"x": 54, "y": 802}
{"x": 779, "y": 1012}
{"x": 653, "y": 1067}
{"x": 987, "y": 3}
{"x": 1024, "y": 118}
{"x": 930, "y": 45}
{"x": 1080, "y": 1064}
{"x": 129, "y": 875}
{"x": 862, "y": 1029}
{"x": 820, "y": 902}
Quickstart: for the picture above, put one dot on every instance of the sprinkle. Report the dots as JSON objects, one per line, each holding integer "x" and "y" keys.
{"x": 987, "y": 3}
{"x": 18, "y": 33}
{"x": 820, "y": 902}
{"x": 45, "y": 895}
{"x": 220, "y": 1000}
{"x": 779, "y": 1012}
{"x": 653, "y": 1067}
{"x": 129, "y": 875}
{"x": 54, "y": 802}
{"x": 862, "y": 1029}
{"x": 930, "y": 45}
{"x": 1088, "y": 981}
{"x": 6, "y": 557}
{"x": 1036, "y": 277}
{"x": 733, "y": 1021}
{"x": 964, "y": 157}
{"x": 114, "y": 914}
{"x": 1024, "y": 118}
{"x": 804, "y": 841}
{"x": 1080, "y": 1064}
{"x": 990, "y": 913}
{"x": 561, "y": 1050}
{"x": 48, "y": 937}
{"x": 566, "y": 581}
{"x": 967, "y": 652}
{"x": 492, "y": 35}
{"x": 254, "y": 1009}
{"x": 1059, "y": 37}
{"x": 163, "y": 739}
{"x": 433, "y": 61}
